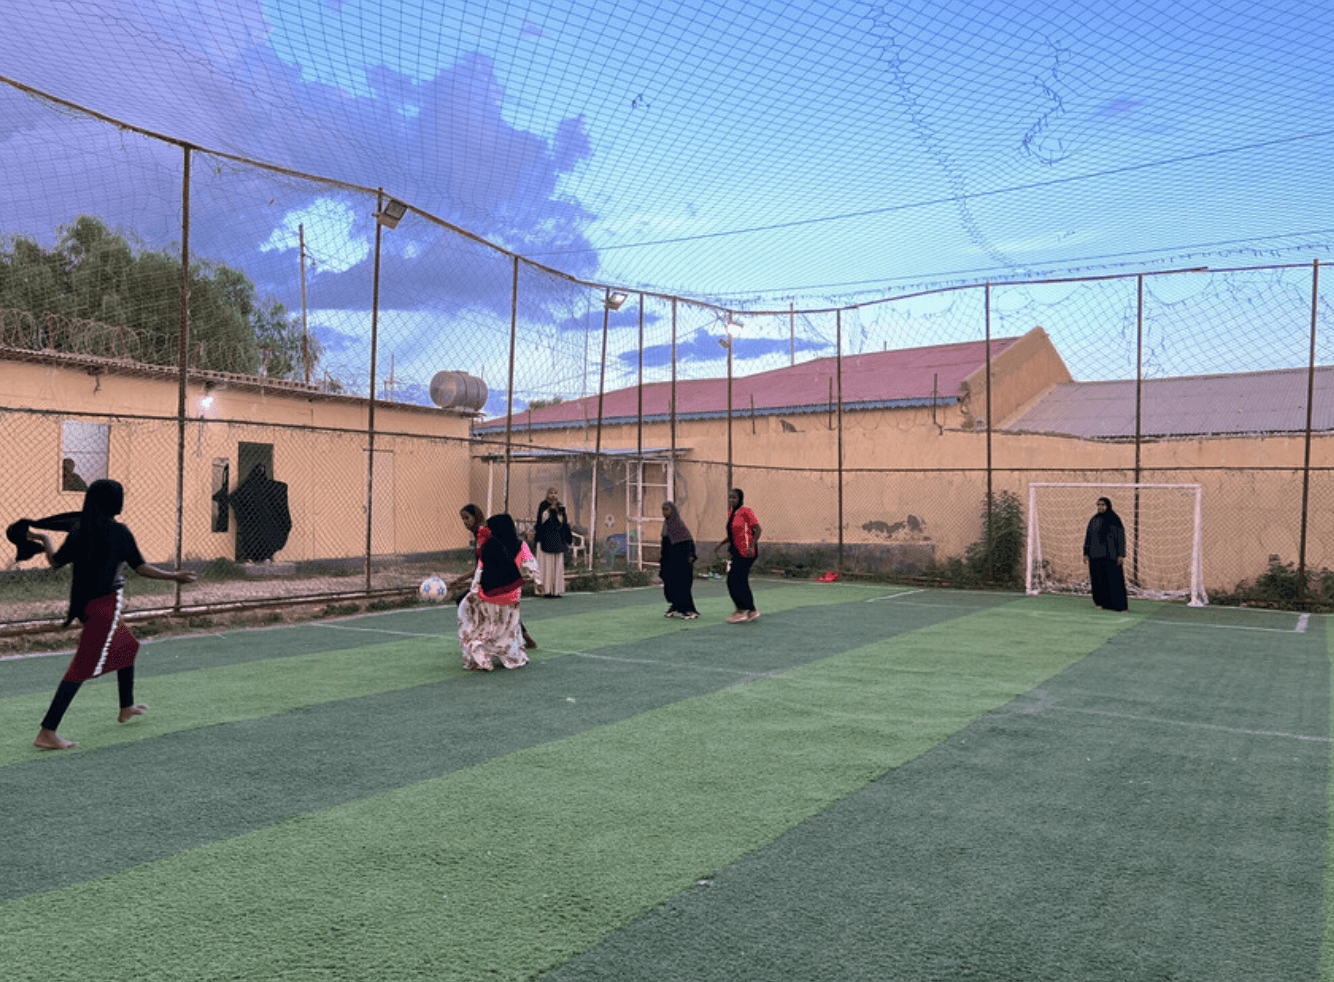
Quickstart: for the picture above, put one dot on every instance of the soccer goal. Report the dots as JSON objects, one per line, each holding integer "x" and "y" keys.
{"x": 1164, "y": 551}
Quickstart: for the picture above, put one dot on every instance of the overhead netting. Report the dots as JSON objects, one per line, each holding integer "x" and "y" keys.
{"x": 365, "y": 213}
{"x": 736, "y": 150}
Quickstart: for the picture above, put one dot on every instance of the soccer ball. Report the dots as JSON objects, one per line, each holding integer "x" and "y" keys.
{"x": 433, "y": 589}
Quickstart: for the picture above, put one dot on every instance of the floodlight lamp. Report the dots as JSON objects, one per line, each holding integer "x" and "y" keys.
{"x": 725, "y": 342}
{"x": 733, "y": 326}
{"x": 392, "y": 213}
{"x": 614, "y": 300}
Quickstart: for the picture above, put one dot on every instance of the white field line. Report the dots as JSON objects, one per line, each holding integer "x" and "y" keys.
{"x": 668, "y": 664}
{"x": 1200, "y": 726}
{"x": 895, "y": 596}
{"x": 375, "y": 630}
{"x": 1300, "y": 628}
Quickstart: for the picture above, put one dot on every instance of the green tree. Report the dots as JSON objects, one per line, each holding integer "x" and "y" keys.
{"x": 95, "y": 274}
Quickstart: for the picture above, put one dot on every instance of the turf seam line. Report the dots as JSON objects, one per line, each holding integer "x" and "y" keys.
{"x": 1179, "y": 722}
{"x": 894, "y": 596}
{"x": 376, "y": 630}
{"x": 667, "y": 664}
{"x": 1301, "y": 629}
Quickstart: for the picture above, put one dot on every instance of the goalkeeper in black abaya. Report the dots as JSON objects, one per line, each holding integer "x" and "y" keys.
{"x": 1105, "y": 550}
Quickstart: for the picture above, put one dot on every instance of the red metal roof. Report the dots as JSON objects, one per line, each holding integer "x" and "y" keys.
{"x": 879, "y": 377}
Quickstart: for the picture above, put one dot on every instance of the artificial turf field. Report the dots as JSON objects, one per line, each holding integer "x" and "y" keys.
{"x": 868, "y": 783}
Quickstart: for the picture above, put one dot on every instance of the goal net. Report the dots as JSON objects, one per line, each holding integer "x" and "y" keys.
{"x": 1164, "y": 555}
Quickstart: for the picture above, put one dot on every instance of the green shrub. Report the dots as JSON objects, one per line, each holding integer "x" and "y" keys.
{"x": 222, "y": 569}
{"x": 1279, "y": 586}
{"x": 393, "y": 603}
{"x": 996, "y": 559}
{"x": 1279, "y": 582}
{"x": 637, "y": 577}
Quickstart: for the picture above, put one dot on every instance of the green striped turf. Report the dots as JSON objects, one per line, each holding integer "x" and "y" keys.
{"x": 1156, "y": 811}
{"x": 298, "y": 673}
{"x": 516, "y": 862}
{"x": 334, "y": 751}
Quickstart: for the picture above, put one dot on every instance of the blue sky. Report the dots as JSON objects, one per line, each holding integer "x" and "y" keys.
{"x": 742, "y": 152}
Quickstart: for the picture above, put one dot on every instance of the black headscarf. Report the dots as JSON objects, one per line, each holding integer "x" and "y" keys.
{"x": 504, "y": 532}
{"x": 673, "y": 528}
{"x": 1106, "y": 533}
{"x": 500, "y": 553}
{"x": 101, "y": 504}
{"x": 1110, "y": 516}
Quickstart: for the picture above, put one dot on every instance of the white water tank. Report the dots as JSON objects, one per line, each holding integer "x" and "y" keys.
{"x": 458, "y": 390}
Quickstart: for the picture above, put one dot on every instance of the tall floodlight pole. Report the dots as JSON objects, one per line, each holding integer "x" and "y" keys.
{"x": 729, "y": 343}
{"x": 509, "y": 388}
{"x": 733, "y": 327}
{"x": 990, "y": 532}
{"x": 183, "y": 367}
{"x": 672, "y": 406}
{"x": 388, "y": 213}
{"x": 1310, "y": 401}
{"x": 1139, "y": 415}
{"x": 610, "y": 301}
{"x": 370, "y": 402}
{"x": 305, "y": 333}
{"x": 838, "y": 362}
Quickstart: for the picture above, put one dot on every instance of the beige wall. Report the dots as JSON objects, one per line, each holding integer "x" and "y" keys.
{"x": 319, "y": 450}
{"x": 930, "y": 482}
{"x": 1020, "y": 374}
{"x": 927, "y": 486}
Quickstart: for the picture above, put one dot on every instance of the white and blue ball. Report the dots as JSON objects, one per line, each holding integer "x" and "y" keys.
{"x": 433, "y": 589}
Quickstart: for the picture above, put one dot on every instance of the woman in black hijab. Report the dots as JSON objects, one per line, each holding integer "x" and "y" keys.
{"x": 1105, "y": 550}
{"x": 489, "y": 627}
{"x": 97, "y": 547}
{"x": 677, "y": 564}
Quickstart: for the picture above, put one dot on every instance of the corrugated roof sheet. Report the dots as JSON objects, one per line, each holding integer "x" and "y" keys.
{"x": 1195, "y": 405}
{"x": 909, "y": 375}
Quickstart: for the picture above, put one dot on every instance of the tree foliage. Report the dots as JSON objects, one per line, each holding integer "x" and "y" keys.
{"x": 94, "y": 274}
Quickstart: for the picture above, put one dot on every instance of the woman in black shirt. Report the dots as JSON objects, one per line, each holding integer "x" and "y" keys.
{"x": 97, "y": 547}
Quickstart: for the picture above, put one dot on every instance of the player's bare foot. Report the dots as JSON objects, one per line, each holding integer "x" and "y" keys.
{"x": 51, "y": 740}
{"x": 129, "y": 712}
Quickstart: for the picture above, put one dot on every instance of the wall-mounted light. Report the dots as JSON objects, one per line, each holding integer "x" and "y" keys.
{"x": 615, "y": 299}
{"x": 392, "y": 213}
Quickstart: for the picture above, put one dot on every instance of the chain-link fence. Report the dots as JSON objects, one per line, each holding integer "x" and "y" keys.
{"x": 328, "y": 339}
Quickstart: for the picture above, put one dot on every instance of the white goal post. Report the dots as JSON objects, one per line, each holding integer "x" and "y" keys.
{"x": 1164, "y": 542}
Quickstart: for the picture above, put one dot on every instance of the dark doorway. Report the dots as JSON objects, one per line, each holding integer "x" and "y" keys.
{"x": 247, "y": 456}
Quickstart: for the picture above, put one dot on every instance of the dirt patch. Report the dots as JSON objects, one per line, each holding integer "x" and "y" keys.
{"x": 34, "y": 626}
